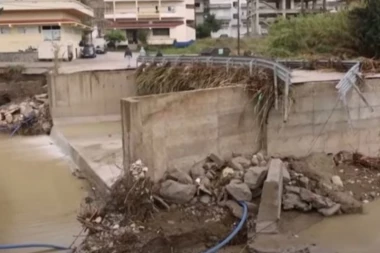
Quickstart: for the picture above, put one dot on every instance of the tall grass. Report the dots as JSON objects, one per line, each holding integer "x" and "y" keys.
{"x": 320, "y": 34}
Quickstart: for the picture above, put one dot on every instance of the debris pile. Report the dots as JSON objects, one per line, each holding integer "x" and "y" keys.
{"x": 201, "y": 204}
{"x": 28, "y": 116}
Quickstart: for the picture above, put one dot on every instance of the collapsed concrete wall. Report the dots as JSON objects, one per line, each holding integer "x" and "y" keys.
{"x": 317, "y": 123}
{"x": 90, "y": 93}
{"x": 181, "y": 129}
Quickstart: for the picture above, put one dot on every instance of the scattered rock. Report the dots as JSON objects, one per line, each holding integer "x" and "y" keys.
{"x": 176, "y": 192}
{"x": 228, "y": 172}
{"x": 205, "y": 199}
{"x": 239, "y": 163}
{"x": 292, "y": 201}
{"x": 235, "y": 208}
{"x": 304, "y": 182}
{"x": 217, "y": 159}
{"x": 240, "y": 192}
{"x": 197, "y": 171}
{"x": 330, "y": 211}
{"x": 337, "y": 181}
{"x": 315, "y": 200}
{"x": 286, "y": 175}
{"x": 255, "y": 161}
{"x": 180, "y": 176}
{"x": 255, "y": 177}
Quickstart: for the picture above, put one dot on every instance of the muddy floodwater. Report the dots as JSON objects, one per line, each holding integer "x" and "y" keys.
{"x": 39, "y": 197}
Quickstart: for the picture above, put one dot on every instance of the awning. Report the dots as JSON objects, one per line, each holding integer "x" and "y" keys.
{"x": 147, "y": 25}
{"x": 27, "y": 22}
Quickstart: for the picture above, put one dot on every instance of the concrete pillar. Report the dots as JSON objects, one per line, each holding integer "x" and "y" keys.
{"x": 257, "y": 21}
{"x": 114, "y": 8}
{"x": 283, "y": 8}
{"x": 291, "y": 4}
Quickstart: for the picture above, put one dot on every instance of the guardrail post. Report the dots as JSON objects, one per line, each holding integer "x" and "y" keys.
{"x": 228, "y": 64}
{"x": 208, "y": 61}
{"x": 250, "y": 67}
{"x": 177, "y": 60}
{"x": 275, "y": 88}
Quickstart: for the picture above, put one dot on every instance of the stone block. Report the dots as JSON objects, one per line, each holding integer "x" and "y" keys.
{"x": 270, "y": 205}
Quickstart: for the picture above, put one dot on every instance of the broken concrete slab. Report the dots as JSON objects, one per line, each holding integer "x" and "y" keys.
{"x": 180, "y": 176}
{"x": 271, "y": 198}
{"x": 242, "y": 161}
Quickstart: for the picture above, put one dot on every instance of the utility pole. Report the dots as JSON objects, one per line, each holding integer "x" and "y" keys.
{"x": 238, "y": 27}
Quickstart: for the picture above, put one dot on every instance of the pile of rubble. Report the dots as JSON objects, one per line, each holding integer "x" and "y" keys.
{"x": 28, "y": 116}
{"x": 204, "y": 197}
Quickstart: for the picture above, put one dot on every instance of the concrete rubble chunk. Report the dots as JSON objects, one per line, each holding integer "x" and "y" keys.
{"x": 293, "y": 201}
{"x": 235, "y": 208}
{"x": 176, "y": 192}
{"x": 180, "y": 176}
{"x": 330, "y": 211}
{"x": 315, "y": 200}
{"x": 239, "y": 163}
{"x": 286, "y": 175}
{"x": 205, "y": 199}
{"x": 197, "y": 171}
{"x": 240, "y": 192}
{"x": 218, "y": 160}
{"x": 255, "y": 177}
{"x": 271, "y": 200}
{"x": 255, "y": 161}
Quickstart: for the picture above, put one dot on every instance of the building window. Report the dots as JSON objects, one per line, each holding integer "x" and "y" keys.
{"x": 171, "y": 9}
{"x": 51, "y": 33}
{"x": 235, "y": 16}
{"x": 157, "y": 11}
{"x": 197, "y": 5}
{"x": 189, "y": 6}
{"x": 27, "y": 29}
{"x": 161, "y": 32}
{"x": 235, "y": 4}
{"x": 224, "y": 23}
{"x": 5, "y": 30}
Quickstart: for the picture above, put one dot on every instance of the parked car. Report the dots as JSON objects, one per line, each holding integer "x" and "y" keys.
{"x": 88, "y": 51}
{"x": 215, "y": 51}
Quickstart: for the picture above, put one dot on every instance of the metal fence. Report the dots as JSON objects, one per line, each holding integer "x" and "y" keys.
{"x": 279, "y": 70}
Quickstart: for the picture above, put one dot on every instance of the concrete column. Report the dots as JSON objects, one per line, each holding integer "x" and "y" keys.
{"x": 291, "y": 4}
{"x": 114, "y": 8}
{"x": 283, "y": 8}
{"x": 137, "y": 9}
{"x": 257, "y": 16}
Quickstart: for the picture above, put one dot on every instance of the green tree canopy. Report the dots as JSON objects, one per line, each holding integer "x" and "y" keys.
{"x": 115, "y": 36}
{"x": 210, "y": 24}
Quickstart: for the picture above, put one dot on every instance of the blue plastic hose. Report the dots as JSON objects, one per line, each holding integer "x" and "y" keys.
{"x": 21, "y": 246}
{"x": 234, "y": 232}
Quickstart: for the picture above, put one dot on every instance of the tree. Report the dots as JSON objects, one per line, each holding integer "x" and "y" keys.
{"x": 210, "y": 24}
{"x": 115, "y": 36}
{"x": 366, "y": 28}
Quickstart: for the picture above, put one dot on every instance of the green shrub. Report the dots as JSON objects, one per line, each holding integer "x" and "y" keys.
{"x": 324, "y": 33}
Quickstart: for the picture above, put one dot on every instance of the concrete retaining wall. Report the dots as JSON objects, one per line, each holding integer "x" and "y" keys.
{"x": 180, "y": 129}
{"x": 19, "y": 57}
{"x": 90, "y": 93}
{"x": 314, "y": 124}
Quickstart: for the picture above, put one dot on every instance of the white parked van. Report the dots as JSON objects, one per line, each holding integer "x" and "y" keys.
{"x": 49, "y": 50}
{"x": 100, "y": 45}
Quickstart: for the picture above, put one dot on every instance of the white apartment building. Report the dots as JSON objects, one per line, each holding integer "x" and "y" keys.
{"x": 33, "y": 23}
{"x": 227, "y": 12}
{"x": 165, "y": 20}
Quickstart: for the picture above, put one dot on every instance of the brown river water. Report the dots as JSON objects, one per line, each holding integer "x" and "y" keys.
{"x": 39, "y": 197}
